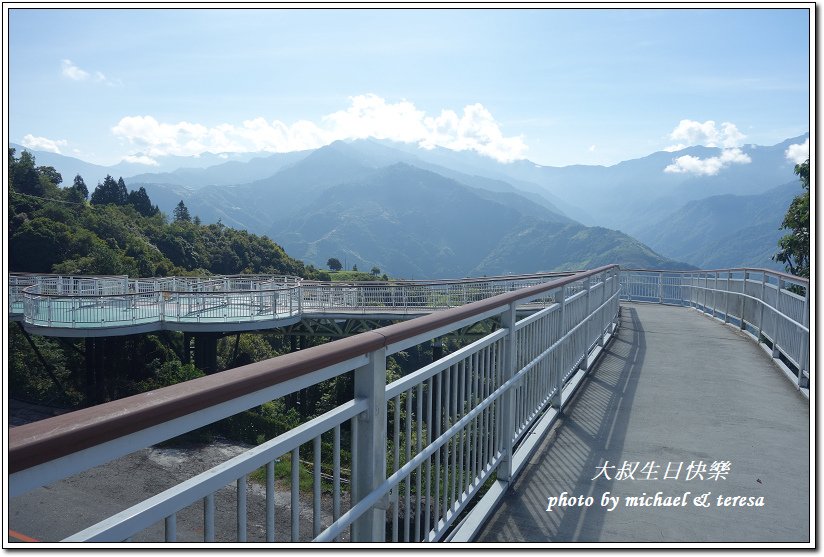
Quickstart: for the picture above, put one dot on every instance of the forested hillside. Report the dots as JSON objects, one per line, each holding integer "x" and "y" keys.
{"x": 54, "y": 229}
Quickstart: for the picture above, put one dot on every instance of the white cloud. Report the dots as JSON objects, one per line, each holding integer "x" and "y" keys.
{"x": 367, "y": 116}
{"x": 690, "y": 132}
{"x": 43, "y": 143}
{"x": 73, "y": 72}
{"x": 798, "y": 152}
{"x": 141, "y": 159}
{"x": 592, "y": 148}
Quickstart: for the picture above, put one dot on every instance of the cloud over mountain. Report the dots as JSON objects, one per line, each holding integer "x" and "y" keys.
{"x": 44, "y": 143}
{"x": 366, "y": 116}
{"x": 690, "y": 133}
{"x": 798, "y": 153}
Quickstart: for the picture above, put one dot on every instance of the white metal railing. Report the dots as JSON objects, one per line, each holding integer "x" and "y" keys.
{"x": 772, "y": 307}
{"x": 102, "y": 304}
{"x": 419, "y": 450}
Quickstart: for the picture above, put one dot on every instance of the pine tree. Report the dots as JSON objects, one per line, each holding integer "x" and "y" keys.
{"x": 181, "y": 213}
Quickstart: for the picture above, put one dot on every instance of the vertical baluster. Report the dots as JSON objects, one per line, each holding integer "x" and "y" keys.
{"x": 461, "y": 402}
{"x": 466, "y": 468}
{"x": 419, "y": 432}
{"x": 435, "y": 435}
{"x": 270, "y": 501}
{"x": 476, "y": 399}
{"x": 296, "y": 494}
{"x": 455, "y": 441}
{"x": 209, "y": 518}
{"x": 336, "y": 475}
{"x": 447, "y": 423}
{"x": 426, "y": 523}
{"x": 396, "y": 450}
{"x": 316, "y": 512}
{"x": 396, "y": 455}
{"x": 407, "y": 485}
{"x": 496, "y": 380}
{"x": 241, "y": 509}
{"x": 170, "y": 524}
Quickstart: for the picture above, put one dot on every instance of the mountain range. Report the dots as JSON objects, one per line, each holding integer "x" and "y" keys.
{"x": 437, "y": 213}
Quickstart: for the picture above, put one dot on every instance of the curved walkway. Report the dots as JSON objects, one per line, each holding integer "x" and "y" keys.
{"x": 86, "y": 306}
{"x": 674, "y": 388}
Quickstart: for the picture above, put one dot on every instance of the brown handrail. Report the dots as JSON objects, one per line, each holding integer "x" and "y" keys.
{"x": 748, "y": 269}
{"x": 46, "y": 440}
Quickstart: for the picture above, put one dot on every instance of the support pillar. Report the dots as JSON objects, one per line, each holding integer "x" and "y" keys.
{"x": 206, "y": 352}
{"x": 187, "y": 348}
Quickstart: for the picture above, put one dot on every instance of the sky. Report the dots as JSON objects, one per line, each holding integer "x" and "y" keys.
{"x": 556, "y": 86}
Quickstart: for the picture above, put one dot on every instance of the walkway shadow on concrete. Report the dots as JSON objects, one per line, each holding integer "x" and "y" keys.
{"x": 590, "y": 432}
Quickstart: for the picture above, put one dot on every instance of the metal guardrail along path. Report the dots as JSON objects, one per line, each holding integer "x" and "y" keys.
{"x": 674, "y": 395}
{"x": 426, "y": 457}
{"x": 95, "y": 306}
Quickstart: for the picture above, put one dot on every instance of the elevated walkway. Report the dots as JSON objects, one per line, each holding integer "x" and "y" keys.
{"x": 674, "y": 388}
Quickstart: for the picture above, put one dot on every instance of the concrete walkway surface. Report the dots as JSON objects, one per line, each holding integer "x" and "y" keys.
{"x": 679, "y": 404}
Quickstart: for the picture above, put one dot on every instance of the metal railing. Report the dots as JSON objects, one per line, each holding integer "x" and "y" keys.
{"x": 80, "y": 305}
{"x": 773, "y": 308}
{"x": 106, "y": 303}
{"x": 419, "y": 450}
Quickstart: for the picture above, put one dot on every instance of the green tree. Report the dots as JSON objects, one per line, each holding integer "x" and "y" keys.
{"x": 50, "y": 174}
{"x": 375, "y": 271}
{"x": 139, "y": 199}
{"x": 110, "y": 192}
{"x": 181, "y": 213}
{"x": 794, "y": 248}
{"x": 78, "y": 192}
{"x": 38, "y": 244}
{"x": 24, "y": 176}
{"x": 334, "y": 264}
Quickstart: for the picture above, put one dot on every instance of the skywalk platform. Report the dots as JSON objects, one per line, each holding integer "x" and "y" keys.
{"x": 679, "y": 404}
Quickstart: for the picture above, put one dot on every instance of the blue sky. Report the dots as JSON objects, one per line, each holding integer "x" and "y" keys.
{"x": 560, "y": 87}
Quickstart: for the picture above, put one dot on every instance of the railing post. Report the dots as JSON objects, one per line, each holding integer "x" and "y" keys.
{"x": 370, "y": 384}
{"x": 603, "y": 299}
{"x": 557, "y": 399}
{"x": 706, "y": 291}
{"x": 715, "y": 293}
{"x": 588, "y": 326}
{"x": 508, "y": 318}
{"x": 727, "y": 299}
{"x": 775, "y": 351}
{"x": 803, "y": 355}
{"x": 616, "y": 286}
{"x": 743, "y": 300}
{"x": 763, "y": 301}
{"x": 661, "y": 288}
{"x": 695, "y": 287}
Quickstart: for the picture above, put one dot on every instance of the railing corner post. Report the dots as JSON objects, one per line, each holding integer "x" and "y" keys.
{"x": 370, "y": 384}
